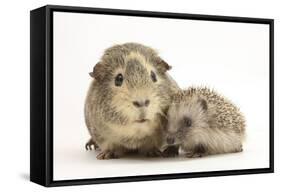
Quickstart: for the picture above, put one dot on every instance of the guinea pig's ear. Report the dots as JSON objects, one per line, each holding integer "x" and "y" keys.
{"x": 162, "y": 65}
{"x": 203, "y": 104}
{"x": 98, "y": 71}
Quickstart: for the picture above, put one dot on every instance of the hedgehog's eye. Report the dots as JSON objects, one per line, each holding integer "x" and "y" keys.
{"x": 119, "y": 80}
{"x": 153, "y": 76}
{"x": 187, "y": 122}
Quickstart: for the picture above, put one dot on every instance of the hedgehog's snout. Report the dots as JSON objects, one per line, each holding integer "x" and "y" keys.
{"x": 170, "y": 140}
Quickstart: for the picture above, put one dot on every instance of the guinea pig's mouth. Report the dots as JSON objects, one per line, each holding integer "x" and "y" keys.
{"x": 141, "y": 120}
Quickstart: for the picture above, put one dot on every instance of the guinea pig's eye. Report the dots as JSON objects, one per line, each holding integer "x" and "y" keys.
{"x": 187, "y": 122}
{"x": 119, "y": 80}
{"x": 153, "y": 76}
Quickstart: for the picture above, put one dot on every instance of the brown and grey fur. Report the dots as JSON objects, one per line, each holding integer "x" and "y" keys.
{"x": 202, "y": 122}
{"x": 110, "y": 113}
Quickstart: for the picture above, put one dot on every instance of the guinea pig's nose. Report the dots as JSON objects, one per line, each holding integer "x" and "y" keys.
{"x": 170, "y": 140}
{"x": 144, "y": 103}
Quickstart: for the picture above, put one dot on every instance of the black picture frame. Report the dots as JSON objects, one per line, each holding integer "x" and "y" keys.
{"x": 41, "y": 94}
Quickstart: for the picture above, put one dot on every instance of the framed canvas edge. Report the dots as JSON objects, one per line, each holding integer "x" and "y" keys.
{"x": 38, "y": 90}
{"x": 159, "y": 177}
{"x": 48, "y": 129}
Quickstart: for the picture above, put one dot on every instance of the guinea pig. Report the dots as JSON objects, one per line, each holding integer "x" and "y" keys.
{"x": 127, "y": 101}
{"x": 202, "y": 122}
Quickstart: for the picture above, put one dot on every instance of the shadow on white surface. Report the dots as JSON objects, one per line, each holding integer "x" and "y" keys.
{"x": 77, "y": 163}
{"x": 24, "y": 176}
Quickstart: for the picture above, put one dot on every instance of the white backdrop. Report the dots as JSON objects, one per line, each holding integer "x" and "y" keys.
{"x": 14, "y": 102}
{"x": 233, "y": 58}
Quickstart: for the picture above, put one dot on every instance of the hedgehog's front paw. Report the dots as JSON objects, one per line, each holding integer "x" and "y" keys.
{"x": 107, "y": 155}
{"x": 198, "y": 151}
{"x": 171, "y": 151}
{"x": 195, "y": 155}
{"x": 152, "y": 153}
{"x": 239, "y": 149}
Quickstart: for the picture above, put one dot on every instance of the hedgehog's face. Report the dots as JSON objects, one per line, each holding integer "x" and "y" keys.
{"x": 184, "y": 119}
{"x": 138, "y": 89}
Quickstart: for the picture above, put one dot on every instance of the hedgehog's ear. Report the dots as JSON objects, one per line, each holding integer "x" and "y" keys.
{"x": 203, "y": 104}
{"x": 162, "y": 65}
{"x": 98, "y": 71}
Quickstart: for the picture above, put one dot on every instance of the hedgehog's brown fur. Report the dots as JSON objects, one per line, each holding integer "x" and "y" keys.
{"x": 228, "y": 115}
{"x": 220, "y": 128}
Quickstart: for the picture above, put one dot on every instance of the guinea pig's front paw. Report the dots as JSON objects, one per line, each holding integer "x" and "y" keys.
{"x": 171, "y": 151}
{"x": 91, "y": 143}
{"x": 107, "y": 155}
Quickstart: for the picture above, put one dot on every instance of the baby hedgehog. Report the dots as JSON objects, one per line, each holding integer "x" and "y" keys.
{"x": 201, "y": 122}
